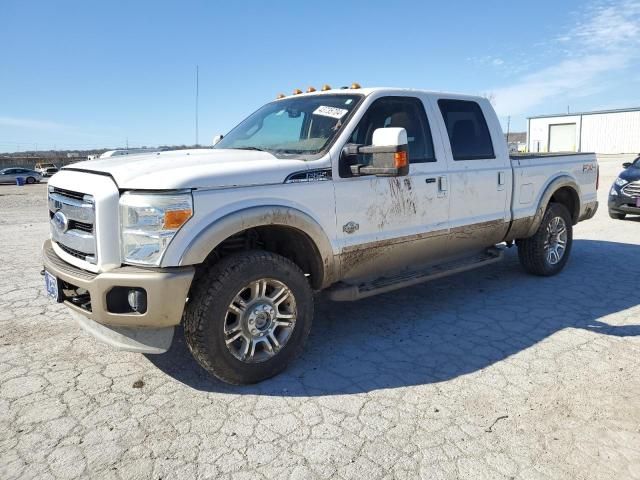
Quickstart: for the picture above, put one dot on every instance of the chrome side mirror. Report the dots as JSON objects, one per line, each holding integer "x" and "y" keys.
{"x": 389, "y": 154}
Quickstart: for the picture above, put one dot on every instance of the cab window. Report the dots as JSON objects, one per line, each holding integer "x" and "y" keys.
{"x": 467, "y": 128}
{"x": 403, "y": 112}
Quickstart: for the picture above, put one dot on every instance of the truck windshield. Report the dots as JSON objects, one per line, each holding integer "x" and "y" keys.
{"x": 298, "y": 125}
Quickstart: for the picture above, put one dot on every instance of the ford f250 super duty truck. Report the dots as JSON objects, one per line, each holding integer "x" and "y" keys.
{"x": 353, "y": 191}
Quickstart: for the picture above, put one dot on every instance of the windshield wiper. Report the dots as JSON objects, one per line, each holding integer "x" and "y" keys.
{"x": 250, "y": 148}
{"x": 290, "y": 151}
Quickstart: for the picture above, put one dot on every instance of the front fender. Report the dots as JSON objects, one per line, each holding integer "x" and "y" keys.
{"x": 204, "y": 241}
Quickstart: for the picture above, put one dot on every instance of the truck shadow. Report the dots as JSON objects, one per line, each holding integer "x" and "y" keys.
{"x": 447, "y": 328}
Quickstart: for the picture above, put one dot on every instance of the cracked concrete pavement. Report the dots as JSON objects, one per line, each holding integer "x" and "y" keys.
{"x": 489, "y": 374}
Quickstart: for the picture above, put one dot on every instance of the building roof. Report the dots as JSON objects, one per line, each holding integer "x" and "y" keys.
{"x": 595, "y": 112}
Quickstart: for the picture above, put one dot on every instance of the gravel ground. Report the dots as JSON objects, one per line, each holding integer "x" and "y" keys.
{"x": 489, "y": 374}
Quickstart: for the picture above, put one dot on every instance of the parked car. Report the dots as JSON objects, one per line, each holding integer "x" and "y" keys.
{"x": 624, "y": 196}
{"x": 46, "y": 169}
{"x": 353, "y": 191}
{"x": 9, "y": 175}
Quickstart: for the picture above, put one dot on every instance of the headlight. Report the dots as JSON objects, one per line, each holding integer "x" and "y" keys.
{"x": 621, "y": 182}
{"x": 149, "y": 221}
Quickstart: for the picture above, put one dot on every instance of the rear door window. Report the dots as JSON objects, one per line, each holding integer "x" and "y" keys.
{"x": 467, "y": 129}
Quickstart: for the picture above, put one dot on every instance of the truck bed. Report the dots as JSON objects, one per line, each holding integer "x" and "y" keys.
{"x": 532, "y": 173}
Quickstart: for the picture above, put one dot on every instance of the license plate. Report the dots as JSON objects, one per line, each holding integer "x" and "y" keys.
{"x": 51, "y": 284}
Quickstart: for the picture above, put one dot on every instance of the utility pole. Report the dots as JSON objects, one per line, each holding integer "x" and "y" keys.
{"x": 197, "y": 94}
{"x": 127, "y": 143}
{"x": 508, "y": 127}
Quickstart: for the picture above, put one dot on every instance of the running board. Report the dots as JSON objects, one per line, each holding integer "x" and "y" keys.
{"x": 343, "y": 292}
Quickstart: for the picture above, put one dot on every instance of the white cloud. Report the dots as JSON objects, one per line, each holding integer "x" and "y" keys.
{"x": 31, "y": 123}
{"x": 486, "y": 60}
{"x": 605, "y": 40}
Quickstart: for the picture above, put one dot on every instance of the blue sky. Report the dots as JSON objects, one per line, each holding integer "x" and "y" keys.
{"x": 93, "y": 74}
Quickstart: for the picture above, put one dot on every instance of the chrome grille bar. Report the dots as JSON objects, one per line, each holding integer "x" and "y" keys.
{"x": 78, "y": 210}
{"x": 632, "y": 190}
{"x": 76, "y": 239}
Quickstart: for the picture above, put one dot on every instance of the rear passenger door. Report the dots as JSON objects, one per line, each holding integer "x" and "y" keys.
{"x": 479, "y": 173}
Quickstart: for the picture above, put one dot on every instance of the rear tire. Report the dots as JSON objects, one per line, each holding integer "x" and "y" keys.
{"x": 547, "y": 251}
{"x": 31, "y": 180}
{"x": 248, "y": 316}
{"x": 617, "y": 216}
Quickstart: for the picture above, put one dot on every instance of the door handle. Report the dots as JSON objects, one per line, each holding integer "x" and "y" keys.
{"x": 442, "y": 184}
{"x": 430, "y": 180}
{"x": 500, "y": 178}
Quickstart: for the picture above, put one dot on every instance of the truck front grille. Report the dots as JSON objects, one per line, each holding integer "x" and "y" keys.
{"x": 632, "y": 190}
{"x": 72, "y": 222}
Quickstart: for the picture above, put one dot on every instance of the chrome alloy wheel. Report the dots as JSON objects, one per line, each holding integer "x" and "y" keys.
{"x": 556, "y": 242}
{"x": 260, "y": 320}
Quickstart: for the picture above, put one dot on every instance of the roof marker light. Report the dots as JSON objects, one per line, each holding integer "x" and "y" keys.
{"x": 355, "y": 85}
{"x": 280, "y": 95}
{"x": 326, "y": 87}
{"x": 297, "y": 91}
{"x": 311, "y": 89}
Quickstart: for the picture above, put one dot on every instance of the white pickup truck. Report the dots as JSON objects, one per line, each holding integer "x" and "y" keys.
{"x": 352, "y": 191}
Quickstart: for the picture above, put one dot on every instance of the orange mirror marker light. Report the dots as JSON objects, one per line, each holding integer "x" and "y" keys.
{"x": 176, "y": 218}
{"x": 401, "y": 159}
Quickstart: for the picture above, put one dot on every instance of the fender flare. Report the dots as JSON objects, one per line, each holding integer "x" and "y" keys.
{"x": 553, "y": 186}
{"x": 219, "y": 230}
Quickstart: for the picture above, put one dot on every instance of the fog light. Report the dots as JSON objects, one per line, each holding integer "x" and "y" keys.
{"x": 137, "y": 300}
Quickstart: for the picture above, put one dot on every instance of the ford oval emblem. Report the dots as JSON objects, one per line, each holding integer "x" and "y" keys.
{"x": 60, "y": 221}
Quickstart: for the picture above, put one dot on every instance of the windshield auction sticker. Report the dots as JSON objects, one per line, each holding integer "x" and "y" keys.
{"x": 332, "y": 112}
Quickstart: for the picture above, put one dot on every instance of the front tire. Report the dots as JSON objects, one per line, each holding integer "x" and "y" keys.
{"x": 248, "y": 316}
{"x": 547, "y": 251}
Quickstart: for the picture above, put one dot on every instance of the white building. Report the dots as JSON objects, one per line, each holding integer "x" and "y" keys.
{"x": 607, "y": 131}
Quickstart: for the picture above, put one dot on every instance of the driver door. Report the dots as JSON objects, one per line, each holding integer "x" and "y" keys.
{"x": 386, "y": 224}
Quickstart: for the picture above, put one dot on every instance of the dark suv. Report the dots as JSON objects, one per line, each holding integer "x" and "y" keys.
{"x": 624, "y": 197}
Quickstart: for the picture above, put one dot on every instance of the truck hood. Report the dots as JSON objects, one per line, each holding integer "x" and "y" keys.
{"x": 202, "y": 168}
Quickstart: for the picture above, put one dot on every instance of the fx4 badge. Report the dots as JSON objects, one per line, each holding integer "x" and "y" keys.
{"x": 350, "y": 227}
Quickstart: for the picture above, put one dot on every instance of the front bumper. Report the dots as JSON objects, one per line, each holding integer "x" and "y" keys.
{"x": 623, "y": 204}
{"x": 166, "y": 292}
